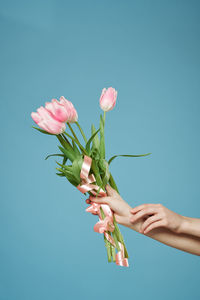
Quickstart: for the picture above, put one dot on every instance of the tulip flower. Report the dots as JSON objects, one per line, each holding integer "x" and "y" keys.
{"x": 57, "y": 110}
{"x": 44, "y": 120}
{"x": 73, "y": 116}
{"x": 108, "y": 98}
{"x": 62, "y": 111}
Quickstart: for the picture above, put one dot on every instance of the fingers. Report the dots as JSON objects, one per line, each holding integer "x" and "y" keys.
{"x": 140, "y": 207}
{"x": 88, "y": 201}
{"x": 119, "y": 219}
{"x": 137, "y": 208}
{"x": 148, "y": 222}
{"x": 103, "y": 200}
{"x": 155, "y": 225}
{"x": 110, "y": 191}
{"x": 142, "y": 213}
{"x": 100, "y": 200}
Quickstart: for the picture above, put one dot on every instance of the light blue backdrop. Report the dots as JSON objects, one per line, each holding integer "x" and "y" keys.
{"x": 148, "y": 51}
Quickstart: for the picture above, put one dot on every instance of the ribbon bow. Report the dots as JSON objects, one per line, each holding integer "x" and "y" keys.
{"x": 106, "y": 224}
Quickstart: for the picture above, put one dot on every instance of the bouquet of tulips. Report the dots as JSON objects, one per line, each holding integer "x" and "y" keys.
{"x": 84, "y": 164}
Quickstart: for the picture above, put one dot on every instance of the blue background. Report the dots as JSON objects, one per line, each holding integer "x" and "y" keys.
{"x": 149, "y": 51}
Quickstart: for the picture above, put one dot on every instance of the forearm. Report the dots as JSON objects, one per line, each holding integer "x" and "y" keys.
{"x": 181, "y": 241}
{"x": 190, "y": 226}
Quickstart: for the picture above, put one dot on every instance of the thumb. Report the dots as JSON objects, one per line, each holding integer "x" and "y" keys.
{"x": 110, "y": 191}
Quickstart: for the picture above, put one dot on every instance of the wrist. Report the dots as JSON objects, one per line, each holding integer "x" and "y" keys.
{"x": 184, "y": 224}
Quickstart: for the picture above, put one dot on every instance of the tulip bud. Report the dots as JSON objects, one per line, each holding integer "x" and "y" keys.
{"x": 108, "y": 99}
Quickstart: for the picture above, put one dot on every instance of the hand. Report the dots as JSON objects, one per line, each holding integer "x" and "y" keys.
{"x": 120, "y": 208}
{"x": 154, "y": 216}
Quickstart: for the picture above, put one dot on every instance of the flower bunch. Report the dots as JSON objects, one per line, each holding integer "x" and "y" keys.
{"x": 54, "y": 115}
{"x": 84, "y": 164}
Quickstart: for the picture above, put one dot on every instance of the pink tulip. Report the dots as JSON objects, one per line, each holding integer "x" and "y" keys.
{"x": 108, "y": 99}
{"x": 44, "y": 120}
{"x": 62, "y": 111}
{"x": 73, "y": 116}
{"x": 57, "y": 110}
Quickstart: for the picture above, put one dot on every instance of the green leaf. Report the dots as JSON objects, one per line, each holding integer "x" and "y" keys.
{"x": 72, "y": 180}
{"x": 43, "y": 131}
{"x": 75, "y": 148}
{"x": 54, "y": 155}
{"x": 87, "y": 147}
{"x": 95, "y": 154}
{"x": 60, "y": 174}
{"x": 96, "y": 141}
{"x": 69, "y": 176}
{"x": 127, "y": 155}
{"x": 113, "y": 184}
{"x": 96, "y": 171}
{"x": 76, "y": 168}
{"x": 68, "y": 153}
{"x": 102, "y": 138}
{"x": 64, "y": 160}
{"x": 103, "y": 165}
{"x": 64, "y": 143}
{"x": 65, "y": 167}
{"x": 75, "y": 141}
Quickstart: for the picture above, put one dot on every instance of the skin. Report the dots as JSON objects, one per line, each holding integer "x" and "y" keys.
{"x": 160, "y": 216}
{"x": 154, "y": 221}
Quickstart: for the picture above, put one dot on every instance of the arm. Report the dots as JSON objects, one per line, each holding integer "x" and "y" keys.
{"x": 123, "y": 215}
{"x": 190, "y": 226}
{"x": 160, "y": 216}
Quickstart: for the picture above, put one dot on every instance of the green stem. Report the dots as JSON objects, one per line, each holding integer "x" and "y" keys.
{"x": 113, "y": 253}
{"x": 81, "y": 131}
{"x": 78, "y": 143}
{"x": 108, "y": 248}
{"x": 116, "y": 239}
{"x": 107, "y": 243}
{"x": 104, "y": 118}
{"x": 117, "y": 231}
{"x": 117, "y": 236}
{"x": 67, "y": 146}
{"x": 72, "y": 131}
{"x": 64, "y": 143}
{"x": 120, "y": 237}
{"x": 64, "y": 137}
{"x": 95, "y": 170}
{"x": 76, "y": 139}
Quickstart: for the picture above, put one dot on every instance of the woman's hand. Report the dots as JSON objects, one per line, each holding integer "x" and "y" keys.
{"x": 149, "y": 216}
{"x": 120, "y": 208}
{"x": 154, "y": 216}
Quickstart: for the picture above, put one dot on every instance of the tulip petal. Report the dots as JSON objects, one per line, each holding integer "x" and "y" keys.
{"x": 108, "y": 99}
{"x": 57, "y": 110}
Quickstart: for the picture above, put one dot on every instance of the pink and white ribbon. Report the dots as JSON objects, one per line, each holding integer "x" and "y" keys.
{"x": 106, "y": 224}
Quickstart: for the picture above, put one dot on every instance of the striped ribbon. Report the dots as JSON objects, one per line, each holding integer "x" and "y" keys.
{"x": 106, "y": 224}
